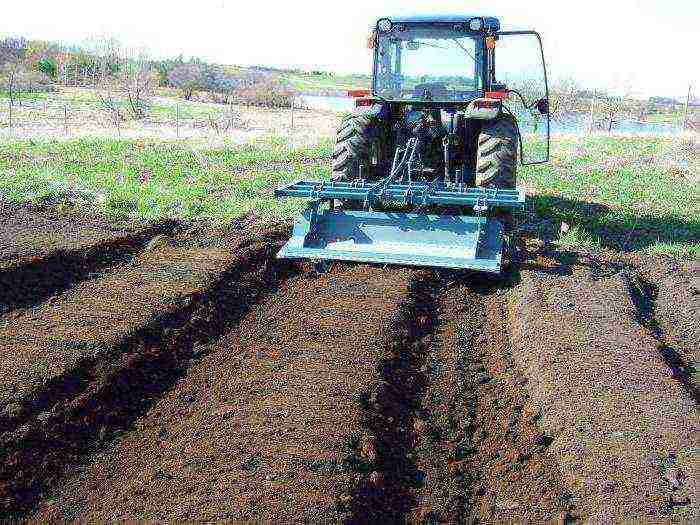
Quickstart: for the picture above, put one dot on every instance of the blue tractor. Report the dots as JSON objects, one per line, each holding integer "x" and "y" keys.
{"x": 424, "y": 170}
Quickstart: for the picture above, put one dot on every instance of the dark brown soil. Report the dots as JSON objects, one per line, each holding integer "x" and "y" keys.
{"x": 43, "y": 252}
{"x": 619, "y": 402}
{"x": 260, "y": 427}
{"x": 30, "y": 231}
{"x": 482, "y": 456}
{"x": 183, "y": 373}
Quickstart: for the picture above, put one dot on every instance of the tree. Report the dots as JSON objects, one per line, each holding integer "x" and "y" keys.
{"x": 48, "y": 66}
{"x": 12, "y": 50}
{"x": 139, "y": 85}
{"x": 187, "y": 78}
{"x": 565, "y": 99}
{"x": 128, "y": 90}
{"x": 613, "y": 104}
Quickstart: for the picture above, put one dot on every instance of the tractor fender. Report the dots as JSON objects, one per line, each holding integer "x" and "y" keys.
{"x": 483, "y": 109}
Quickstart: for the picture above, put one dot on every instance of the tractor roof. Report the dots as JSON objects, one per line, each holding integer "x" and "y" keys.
{"x": 490, "y": 22}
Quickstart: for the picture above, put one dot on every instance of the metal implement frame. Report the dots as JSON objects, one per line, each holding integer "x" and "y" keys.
{"x": 411, "y": 194}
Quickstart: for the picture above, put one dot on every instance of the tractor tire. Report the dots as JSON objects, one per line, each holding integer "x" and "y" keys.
{"x": 497, "y": 155}
{"x": 355, "y": 134}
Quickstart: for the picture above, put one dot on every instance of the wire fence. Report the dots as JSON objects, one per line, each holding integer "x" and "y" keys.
{"x": 81, "y": 109}
{"x": 179, "y": 119}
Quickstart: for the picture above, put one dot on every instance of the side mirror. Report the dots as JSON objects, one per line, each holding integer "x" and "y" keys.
{"x": 412, "y": 45}
{"x": 543, "y": 106}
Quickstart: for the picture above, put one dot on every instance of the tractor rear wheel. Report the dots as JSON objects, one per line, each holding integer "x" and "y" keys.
{"x": 497, "y": 155}
{"x": 496, "y": 166}
{"x": 356, "y": 135}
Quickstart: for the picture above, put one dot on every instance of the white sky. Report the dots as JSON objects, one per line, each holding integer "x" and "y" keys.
{"x": 650, "y": 44}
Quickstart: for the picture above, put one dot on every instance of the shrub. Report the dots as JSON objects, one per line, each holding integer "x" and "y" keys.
{"x": 251, "y": 87}
{"x": 83, "y": 69}
{"x": 48, "y": 66}
{"x": 220, "y": 84}
{"x": 267, "y": 92}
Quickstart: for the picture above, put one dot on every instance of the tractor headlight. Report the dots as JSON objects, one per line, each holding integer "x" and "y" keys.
{"x": 384, "y": 25}
{"x": 476, "y": 24}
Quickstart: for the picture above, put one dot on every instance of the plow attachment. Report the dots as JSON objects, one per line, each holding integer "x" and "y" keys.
{"x": 324, "y": 232}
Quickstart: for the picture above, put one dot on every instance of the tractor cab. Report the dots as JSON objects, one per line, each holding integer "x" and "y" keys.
{"x": 438, "y": 60}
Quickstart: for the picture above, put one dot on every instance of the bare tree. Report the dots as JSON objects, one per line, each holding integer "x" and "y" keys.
{"x": 12, "y": 51}
{"x": 138, "y": 84}
{"x": 611, "y": 109}
{"x": 612, "y": 105}
{"x": 565, "y": 99}
{"x": 126, "y": 84}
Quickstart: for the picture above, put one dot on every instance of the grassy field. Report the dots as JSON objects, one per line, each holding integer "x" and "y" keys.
{"x": 636, "y": 194}
{"x": 313, "y": 82}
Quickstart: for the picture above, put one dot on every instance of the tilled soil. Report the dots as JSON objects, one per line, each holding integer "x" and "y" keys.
{"x": 260, "y": 427}
{"x": 619, "y": 402}
{"x": 186, "y": 374}
{"x": 43, "y": 252}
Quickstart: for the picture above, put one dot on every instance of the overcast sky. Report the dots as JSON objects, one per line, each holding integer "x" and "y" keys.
{"x": 653, "y": 45}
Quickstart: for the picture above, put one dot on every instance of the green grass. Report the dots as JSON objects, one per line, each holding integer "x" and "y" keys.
{"x": 618, "y": 193}
{"x": 613, "y": 192}
{"x": 675, "y": 117}
{"x": 187, "y": 110}
{"x": 30, "y": 97}
{"x": 311, "y": 82}
{"x": 151, "y": 180}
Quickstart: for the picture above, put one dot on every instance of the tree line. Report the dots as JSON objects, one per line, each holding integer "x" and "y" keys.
{"x": 127, "y": 79}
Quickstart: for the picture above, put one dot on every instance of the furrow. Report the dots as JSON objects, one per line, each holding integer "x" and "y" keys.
{"x": 30, "y": 280}
{"x": 478, "y": 451}
{"x": 89, "y": 404}
{"x": 388, "y": 490}
{"x": 261, "y": 428}
{"x": 643, "y": 295}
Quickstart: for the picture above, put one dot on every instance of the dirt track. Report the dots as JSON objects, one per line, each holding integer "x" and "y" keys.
{"x": 172, "y": 373}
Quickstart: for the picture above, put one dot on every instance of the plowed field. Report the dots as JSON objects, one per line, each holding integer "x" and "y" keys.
{"x": 170, "y": 372}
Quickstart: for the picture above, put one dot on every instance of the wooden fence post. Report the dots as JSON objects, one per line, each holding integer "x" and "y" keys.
{"x": 65, "y": 119}
{"x": 687, "y": 105}
{"x": 10, "y": 113}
